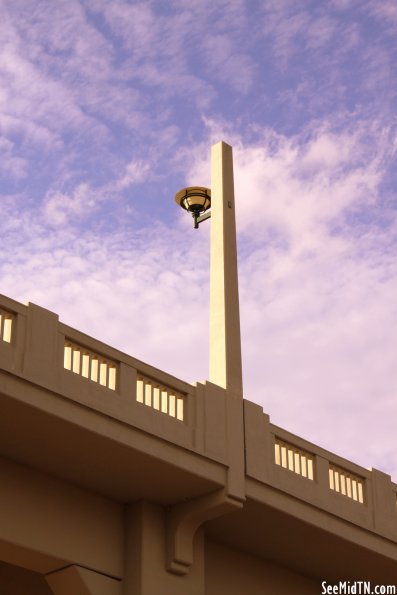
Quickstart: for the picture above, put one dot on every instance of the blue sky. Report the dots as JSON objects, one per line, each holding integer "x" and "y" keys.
{"x": 108, "y": 108}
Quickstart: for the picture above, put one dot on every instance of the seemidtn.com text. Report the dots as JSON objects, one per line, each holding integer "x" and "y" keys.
{"x": 357, "y": 588}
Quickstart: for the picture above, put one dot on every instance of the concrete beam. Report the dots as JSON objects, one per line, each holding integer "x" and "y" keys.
{"x": 50, "y": 524}
{"x": 81, "y": 581}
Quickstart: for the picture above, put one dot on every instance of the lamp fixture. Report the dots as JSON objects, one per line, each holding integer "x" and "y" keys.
{"x": 196, "y": 200}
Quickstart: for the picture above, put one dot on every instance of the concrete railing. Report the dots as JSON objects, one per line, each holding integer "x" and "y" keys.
{"x": 318, "y": 477}
{"x": 204, "y": 419}
{"x": 294, "y": 458}
{"x": 364, "y": 496}
{"x": 36, "y": 346}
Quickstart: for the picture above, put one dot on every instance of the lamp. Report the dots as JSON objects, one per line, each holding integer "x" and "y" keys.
{"x": 196, "y": 200}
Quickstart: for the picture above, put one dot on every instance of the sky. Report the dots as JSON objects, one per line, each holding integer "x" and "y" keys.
{"x": 107, "y": 109}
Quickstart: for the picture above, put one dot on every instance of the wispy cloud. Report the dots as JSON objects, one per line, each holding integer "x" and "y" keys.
{"x": 386, "y": 11}
{"x": 135, "y": 172}
{"x": 10, "y": 163}
{"x": 60, "y": 208}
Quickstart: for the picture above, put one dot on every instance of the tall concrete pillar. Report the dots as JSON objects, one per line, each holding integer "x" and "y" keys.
{"x": 225, "y": 340}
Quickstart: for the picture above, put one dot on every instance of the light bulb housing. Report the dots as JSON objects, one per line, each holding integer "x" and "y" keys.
{"x": 196, "y": 200}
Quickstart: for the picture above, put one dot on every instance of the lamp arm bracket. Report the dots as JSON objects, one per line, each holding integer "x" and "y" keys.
{"x": 203, "y": 217}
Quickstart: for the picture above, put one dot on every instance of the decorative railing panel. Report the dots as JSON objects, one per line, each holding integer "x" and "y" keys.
{"x": 294, "y": 459}
{"x": 347, "y": 484}
{"x": 160, "y": 397}
{"x": 6, "y": 324}
{"x": 90, "y": 365}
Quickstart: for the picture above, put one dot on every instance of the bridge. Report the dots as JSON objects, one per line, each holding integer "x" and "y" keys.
{"x": 118, "y": 478}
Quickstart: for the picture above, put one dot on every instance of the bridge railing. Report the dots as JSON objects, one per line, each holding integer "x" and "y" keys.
{"x": 69, "y": 363}
{"x": 319, "y": 477}
{"x": 35, "y": 346}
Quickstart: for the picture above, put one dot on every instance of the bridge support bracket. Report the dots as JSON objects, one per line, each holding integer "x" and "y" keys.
{"x": 185, "y": 518}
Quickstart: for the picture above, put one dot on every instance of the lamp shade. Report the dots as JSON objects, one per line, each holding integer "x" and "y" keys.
{"x": 195, "y": 199}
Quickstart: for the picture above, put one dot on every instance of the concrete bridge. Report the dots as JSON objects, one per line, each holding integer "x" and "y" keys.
{"x": 117, "y": 478}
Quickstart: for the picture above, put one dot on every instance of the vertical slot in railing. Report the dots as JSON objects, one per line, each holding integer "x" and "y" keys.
{"x": 90, "y": 365}
{"x": 294, "y": 459}
{"x": 6, "y": 324}
{"x": 347, "y": 484}
{"x": 160, "y": 397}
